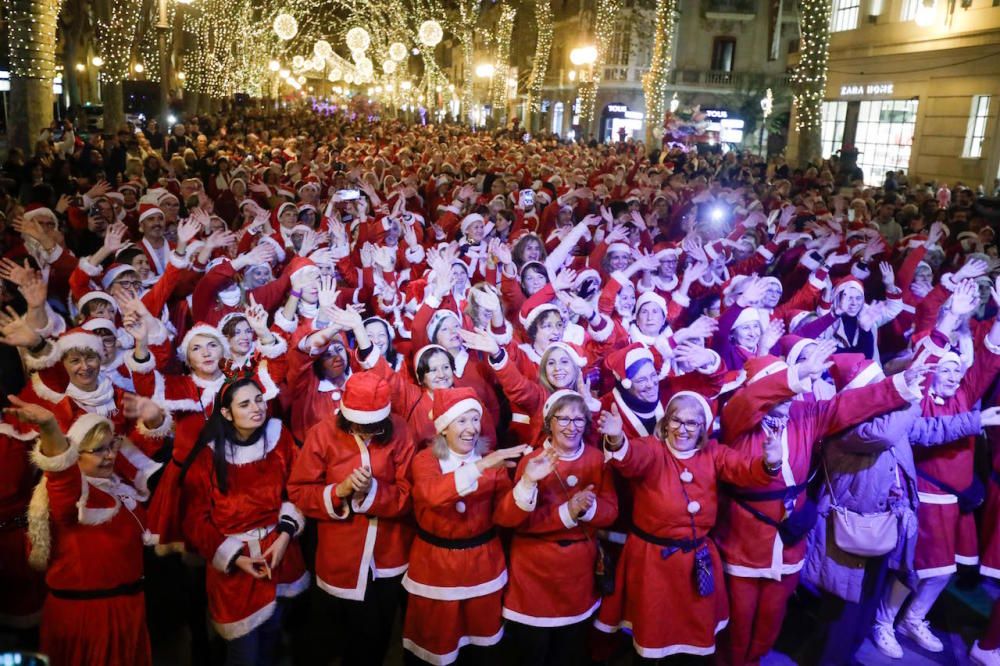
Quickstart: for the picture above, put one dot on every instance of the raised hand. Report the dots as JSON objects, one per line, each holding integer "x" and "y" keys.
{"x": 501, "y": 456}
{"x": 540, "y": 466}
{"x": 818, "y": 361}
{"x": 29, "y": 412}
{"x": 142, "y": 409}
{"x": 564, "y": 280}
{"x": 580, "y": 503}
{"x": 479, "y": 340}
{"x": 327, "y": 291}
{"x": 188, "y": 230}
{"x": 256, "y": 316}
{"x": 99, "y": 190}
{"x": 972, "y": 269}
{"x": 348, "y": 319}
{"x": 965, "y": 298}
{"x": 114, "y": 238}
{"x": 12, "y": 272}
{"x": 701, "y": 328}
{"x": 914, "y": 374}
{"x": 576, "y": 304}
{"x": 775, "y": 329}
{"x": 693, "y": 355}
{"x": 15, "y": 330}
{"x": 35, "y": 290}
{"x": 888, "y": 275}
{"x": 610, "y": 424}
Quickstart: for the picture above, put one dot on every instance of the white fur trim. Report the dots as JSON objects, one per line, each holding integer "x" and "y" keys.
{"x": 451, "y": 657}
{"x": 284, "y": 323}
{"x": 291, "y": 511}
{"x": 160, "y": 431}
{"x": 225, "y": 553}
{"x": 275, "y": 349}
{"x": 538, "y": 621}
{"x": 936, "y": 571}
{"x": 328, "y": 504}
{"x": 88, "y": 267}
{"x": 525, "y": 495}
{"x": 178, "y": 261}
{"x": 367, "y": 555}
{"x": 457, "y": 593}
{"x": 43, "y": 391}
{"x": 203, "y": 330}
{"x": 233, "y": 630}
{"x": 369, "y": 499}
{"x": 145, "y": 467}
{"x": 442, "y": 421}
{"x": 52, "y": 355}
{"x": 8, "y": 430}
{"x": 871, "y": 373}
{"x": 56, "y": 463}
{"x": 365, "y": 417}
{"x": 142, "y": 367}
{"x": 295, "y": 588}
{"x": 271, "y": 389}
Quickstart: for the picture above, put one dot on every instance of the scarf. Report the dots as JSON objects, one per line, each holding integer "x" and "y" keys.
{"x": 99, "y": 401}
{"x": 645, "y": 411}
{"x": 858, "y": 339}
{"x": 308, "y": 310}
{"x": 230, "y": 296}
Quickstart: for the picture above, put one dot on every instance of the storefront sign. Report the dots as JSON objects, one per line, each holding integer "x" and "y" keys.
{"x": 867, "y": 90}
{"x": 617, "y": 108}
{"x": 716, "y": 113}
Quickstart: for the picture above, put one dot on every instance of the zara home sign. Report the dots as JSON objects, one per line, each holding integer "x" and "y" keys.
{"x": 866, "y": 90}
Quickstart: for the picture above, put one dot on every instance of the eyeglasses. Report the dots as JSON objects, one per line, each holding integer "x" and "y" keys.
{"x": 104, "y": 451}
{"x": 577, "y": 421}
{"x": 690, "y": 426}
{"x": 130, "y": 284}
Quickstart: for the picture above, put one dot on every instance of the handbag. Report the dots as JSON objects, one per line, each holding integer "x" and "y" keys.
{"x": 604, "y": 563}
{"x": 862, "y": 534}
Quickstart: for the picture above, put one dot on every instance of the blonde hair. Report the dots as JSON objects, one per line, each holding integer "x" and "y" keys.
{"x": 543, "y": 375}
{"x": 94, "y": 437}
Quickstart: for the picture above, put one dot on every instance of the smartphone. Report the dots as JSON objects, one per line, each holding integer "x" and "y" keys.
{"x": 347, "y": 195}
{"x": 850, "y": 214}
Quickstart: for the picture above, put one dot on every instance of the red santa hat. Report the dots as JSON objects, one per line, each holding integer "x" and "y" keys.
{"x": 366, "y": 398}
{"x": 702, "y": 402}
{"x": 662, "y": 250}
{"x": 280, "y": 209}
{"x": 303, "y": 266}
{"x": 469, "y": 220}
{"x": 575, "y": 352}
{"x": 748, "y": 316}
{"x": 760, "y": 367}
{"x": 438, "y": 318}
{"x": 654, "y": 298}
{"x": 95, "y": 324}
{"x": 792, "y": 347}
{"x": 527, "y": 319}
{"x": 449, "y": 404}
{"x": 556, "y": 396}
{"x": 847, "y": 283}
{"x": 619, "y": 247}
{"x": 148, "y": 210}
{"x": 854, "y": 371}
{"x": 207, "y": 331}
{"x": 37, "y": 211}
{"x": 92, "y": 296}
{"x": 625, "y": 360}
{"x": 79, "y": 338}
{"x": 113, "y": 273}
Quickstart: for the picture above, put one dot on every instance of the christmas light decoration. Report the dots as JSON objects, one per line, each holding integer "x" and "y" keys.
{"x": 543, "y": 47}
{"x": 430, "y": 33}
{"x": 358, "y": 39}
{"x": 604, "y": 28}
{"x": 298, "y": 62}
{"x": 322, "y": 49}
{"x": 397, "y": 51}
{"x": 389, "y": 66}
{"x": 654, "y": 83}
{"x": 335, "y": 73}
{"x": 115, "y": 36}
{"x": 31, "y": 37}
{"x": 364, "y": 67}
{"x": 285, "y": 26}
{"x": 500, "y": 87}
{"x": 809, "y": 78}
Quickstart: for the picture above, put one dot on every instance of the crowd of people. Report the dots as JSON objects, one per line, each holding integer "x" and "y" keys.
{"x": 535, "y": 402}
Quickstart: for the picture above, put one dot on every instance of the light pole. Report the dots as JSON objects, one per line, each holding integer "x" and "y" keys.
{"x": 163, "y": 30}
{"x": 584, "y": 58}
{"x": 766, "y": 106}
{"x": 485, "y": 71}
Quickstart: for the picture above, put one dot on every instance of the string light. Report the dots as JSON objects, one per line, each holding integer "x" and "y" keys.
{"x": 285, "y": 26}
{"x": 322, "y": 49}
{"x": 115, "y": 36}
{"x": 505, "y": 28}
{"x": 389, "y": 66}
{"x": 654, "y": 83}
{"x": 397, "y": 51}
{"x": 809, "y": 78}
{"x": 543, "y": 47}
{"x": 430, "y": 33}
{"x": 604, "y": 28}
{"x": 358, "y": 39}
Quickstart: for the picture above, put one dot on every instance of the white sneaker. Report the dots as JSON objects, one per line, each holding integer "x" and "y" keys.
{"x": 884, "y": 638}
{"x": 920, "y": 632}
{"x": 978, "y": 655}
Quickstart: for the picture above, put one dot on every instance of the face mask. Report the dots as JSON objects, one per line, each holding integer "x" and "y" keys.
{"x": 230, "y": 297}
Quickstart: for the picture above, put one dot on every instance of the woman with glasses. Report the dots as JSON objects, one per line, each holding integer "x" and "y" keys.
{"x": 87, "y": 528}
{"x": 563, "y": 494}
{"x": 669, "y": 567}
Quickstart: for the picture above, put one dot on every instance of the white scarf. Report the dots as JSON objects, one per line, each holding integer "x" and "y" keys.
{"x": 99, "y": 401}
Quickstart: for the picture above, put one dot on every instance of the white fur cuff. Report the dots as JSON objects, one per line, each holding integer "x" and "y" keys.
{"x": 158, "y": 432}
{"x": 225, "y": 553}
{"x": 291, "y": 511}
{"x": 366, "y": 503}
{"x": 142, "y": 367}
{"x": 57, "y": 463}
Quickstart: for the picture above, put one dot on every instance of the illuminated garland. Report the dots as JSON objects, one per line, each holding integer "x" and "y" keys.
{"x": 31, "y": 37}
{"x": 115, "y": 35}
{"x": 500, "y": 88}
{"x": 604, "y": 27}
{"x": 654, "y": 83}
{"x": 543, "y": 47}
{"x": 809, "y": 78}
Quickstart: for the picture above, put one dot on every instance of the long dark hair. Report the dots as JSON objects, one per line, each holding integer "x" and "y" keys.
{"x": 220, "y": 433}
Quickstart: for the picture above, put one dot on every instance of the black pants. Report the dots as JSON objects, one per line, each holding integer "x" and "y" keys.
{"x": 526, "y": 645}
{"x": 848, "y": 623}
{"x": 363, "y": 628}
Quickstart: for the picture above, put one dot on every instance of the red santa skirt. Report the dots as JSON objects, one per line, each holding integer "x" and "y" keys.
{"x": 945, "y": 537}
{"x": 650, "y": 588}
{"x": 23, "y": 587}
{"x": 96, "y": 632}
{"x": 239, "y": 603}
{"x": 164, "y": 513}
{"x": 435, "y": 630}
{"x": 989, "y": 549}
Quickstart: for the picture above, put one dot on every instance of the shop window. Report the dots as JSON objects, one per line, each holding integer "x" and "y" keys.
{"x": 884, "y": 137}
{"x": 723, "y": 54}
{"x": 834, "y": 116}
{"x": 910, "y": 8}
{"x": 557, "y": 118}
{"x": 976, "y": 131}
{"x": 845, "y": 15}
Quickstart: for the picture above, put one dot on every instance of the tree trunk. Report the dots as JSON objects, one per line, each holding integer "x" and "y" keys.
{"x": 114, "y": 106}
{"x": 810, "y": 146}
{"x": 191, "y": 101}
{"x": 31, "y": 40}
{"x": 809, "y": 78}
{"x": 539, "y": 65}
{"x": 655, "y": 82}
{"x": 30, "y": 111}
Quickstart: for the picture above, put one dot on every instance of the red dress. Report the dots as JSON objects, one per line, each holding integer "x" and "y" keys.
{"x": 240, "y": 521}
{"x": 356, "y": 536}
{"x": 552, "y": 556}
{"x": 96, "y": 552}
{"x": 457, "y": 571}
{"x": 676, "y": 498}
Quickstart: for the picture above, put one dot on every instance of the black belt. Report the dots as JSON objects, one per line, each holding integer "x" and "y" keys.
{"x": 783, "y": 494}
{"x": 686, "y": 545}
{"x": 562, "y": 542}
{"x": 14, "y": 522}
{"x": 457, "y": 544}
{"x": 126, "y": 590}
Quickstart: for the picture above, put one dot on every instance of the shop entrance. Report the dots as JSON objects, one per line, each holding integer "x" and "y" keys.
{"x": 881, "y": 130}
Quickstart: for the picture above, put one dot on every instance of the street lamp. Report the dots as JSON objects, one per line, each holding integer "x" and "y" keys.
{"x": 766, "y": 106}
{"x": 139, "y": 69}
{"x": 80, "y": 67}
{"x": 485, "y": 70}
{"x": 97, "y": 61}
{"x": 583, "y": 55}
{"x": 274, "y": 65}
{"x": 674, "y": 104}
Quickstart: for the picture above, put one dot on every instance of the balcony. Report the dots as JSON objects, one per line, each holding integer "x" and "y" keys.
{"x": 730, "y": 10}
{"x": 623, "y": 75}
{"x": 704, "y": 78}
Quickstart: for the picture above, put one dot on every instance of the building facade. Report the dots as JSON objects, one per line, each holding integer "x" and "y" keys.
{"x": 913, "y": 85}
